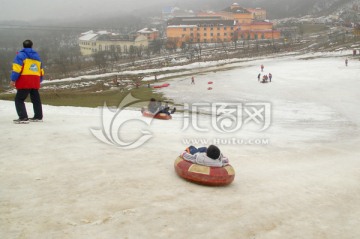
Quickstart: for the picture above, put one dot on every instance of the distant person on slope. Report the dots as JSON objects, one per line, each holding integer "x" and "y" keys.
{"x": 346, "y": 62}
{"x": 263, "y": 79}
{"x": 27, "y": 73}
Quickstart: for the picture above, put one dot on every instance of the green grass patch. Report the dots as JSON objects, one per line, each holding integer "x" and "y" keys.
{"x": 307, "y": 28}
{"x": 93, "y": 99}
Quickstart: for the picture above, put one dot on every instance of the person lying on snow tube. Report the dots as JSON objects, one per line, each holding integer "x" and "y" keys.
{"x": 156, "y": 107}
{"x": 165, "y": 109}
{"x": 207, "y": 156}
{"x": 152, "y": 106}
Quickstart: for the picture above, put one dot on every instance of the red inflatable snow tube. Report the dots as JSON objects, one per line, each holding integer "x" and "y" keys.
{"x": 210, "y": 82}
{"x": 200, "y": 174}
{"x": 161, "y": 86}
{"x": 162, "y": 116}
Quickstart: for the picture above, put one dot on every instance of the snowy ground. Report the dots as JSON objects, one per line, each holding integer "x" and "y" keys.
{"x": 298, "y": 178}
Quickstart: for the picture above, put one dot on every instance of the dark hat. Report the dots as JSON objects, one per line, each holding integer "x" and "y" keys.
{"x": 213, "y": 152}
{"x": 27, "y": 44}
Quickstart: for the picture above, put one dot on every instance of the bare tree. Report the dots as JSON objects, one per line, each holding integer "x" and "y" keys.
{"x": 157, "y": 45}
{"x": 172, "y": 43}
{"x": 235, "y": 37}
{"x": 100, "y": 60}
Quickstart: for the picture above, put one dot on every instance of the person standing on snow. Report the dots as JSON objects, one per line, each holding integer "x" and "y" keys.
{"x": 27, "y": 74}
{"x": 346, "y": 62}
{"x": 270, "y": 76}
{"x": 263, "y": 79}
{"x": 262, "y": 67}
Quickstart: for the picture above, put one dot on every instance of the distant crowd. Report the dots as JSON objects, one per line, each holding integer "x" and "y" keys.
{"x": 265, "y": 78}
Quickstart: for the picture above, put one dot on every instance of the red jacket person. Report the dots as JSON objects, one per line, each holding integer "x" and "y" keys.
{"x": 27, "y": 73}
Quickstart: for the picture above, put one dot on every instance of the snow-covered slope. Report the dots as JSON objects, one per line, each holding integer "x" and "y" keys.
{"x": 57, "y": 180}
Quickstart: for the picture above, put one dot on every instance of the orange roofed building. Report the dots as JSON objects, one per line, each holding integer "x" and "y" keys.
{"x": 231, "y": 24}
{"x": 151, "y": 33}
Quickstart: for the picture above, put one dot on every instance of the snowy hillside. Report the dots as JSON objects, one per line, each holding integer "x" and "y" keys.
{"x": 283, "y": 8}
{"x": 296, "y": 161}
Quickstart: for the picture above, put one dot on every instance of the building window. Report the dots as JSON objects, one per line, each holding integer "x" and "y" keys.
{"x": 205, "y": 34}
{"x": 232, "y": 28}
{"x": 191, "y": 34}
{"x": 225, "y": 34}
{"x": 184, "y": 29}
{"x": 211, "y": 28}
{"x": 211, "y": 34}
{"x": 224, "y": 28}
{"x": 191, "y": 29}
{"x": 204, "y": 28}
{"x": 218, "y": 34}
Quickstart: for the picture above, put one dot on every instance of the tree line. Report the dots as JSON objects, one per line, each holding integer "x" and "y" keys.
{"x": 60, "y": 52}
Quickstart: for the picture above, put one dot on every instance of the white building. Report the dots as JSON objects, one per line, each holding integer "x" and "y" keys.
{"x": 91, "y": 42}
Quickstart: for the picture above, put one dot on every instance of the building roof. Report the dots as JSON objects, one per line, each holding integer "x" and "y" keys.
{"x": 116, "y": 38}
{"x": 147, "y": 30}
{"x": 107, "y": 36}
{"x": 88, "y": 37}
{"x": 209, "y": 20}
{"x": 88, "y": 32}
{"x": 255, "y": 9}
{"x": 236, "y": 9}
{"x": 181, "y": 26}
{"x": 257, "y": 23}
{"x": 91, "y": 35}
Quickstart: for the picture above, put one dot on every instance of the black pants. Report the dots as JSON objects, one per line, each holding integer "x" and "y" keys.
{"x": 20, "y": 98}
